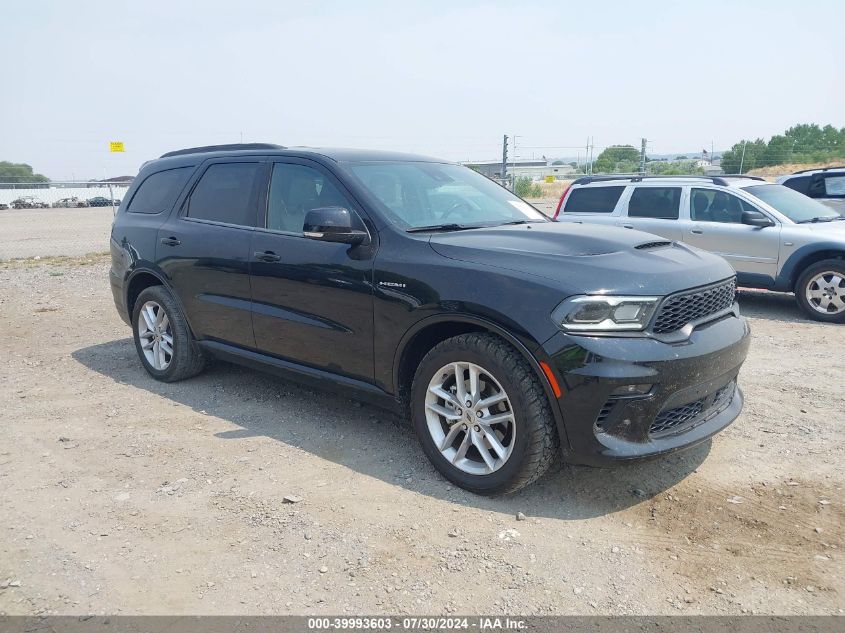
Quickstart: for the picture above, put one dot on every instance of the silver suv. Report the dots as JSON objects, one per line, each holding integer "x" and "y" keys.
{"x": 826, "y": 185}
{"x": 773, "y": 236}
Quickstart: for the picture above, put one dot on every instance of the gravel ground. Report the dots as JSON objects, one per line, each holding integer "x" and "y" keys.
{"x": 124, "y": 495}
{"x": 51, "y": 232}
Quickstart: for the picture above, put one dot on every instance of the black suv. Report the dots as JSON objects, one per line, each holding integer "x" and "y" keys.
{"x": 423, "y": 286}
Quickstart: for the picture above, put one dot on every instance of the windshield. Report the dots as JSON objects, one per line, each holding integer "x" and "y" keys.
{"x": 419, "y": 194}
{"x": 796, "y": 206}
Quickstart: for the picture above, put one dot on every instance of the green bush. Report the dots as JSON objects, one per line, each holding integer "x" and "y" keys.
{"x": 527, "y": 188}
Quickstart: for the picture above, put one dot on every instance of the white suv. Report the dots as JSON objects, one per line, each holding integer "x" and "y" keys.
{"x": 773, "y": 236}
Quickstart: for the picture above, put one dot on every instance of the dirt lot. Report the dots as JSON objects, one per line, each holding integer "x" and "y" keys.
{"x": 124, "y": 495}
{"x": 51, "y": 232}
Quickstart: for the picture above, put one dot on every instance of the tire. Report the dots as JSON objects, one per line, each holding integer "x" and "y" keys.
{"x": 814, "y": 281}
{"x": 185, "y": 358}
{"x": 529, "y": 440}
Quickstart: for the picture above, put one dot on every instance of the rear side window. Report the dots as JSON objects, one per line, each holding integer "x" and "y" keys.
{"x": 655, "y": 202}
{"x": 593, "y": 200}
{"x": 226, "y": 193}
{"x": 159, "y": 191}
{"x": 801, "y": 184}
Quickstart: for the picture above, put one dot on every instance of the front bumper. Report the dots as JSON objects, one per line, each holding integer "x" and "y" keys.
{"x": 693, "y": 392}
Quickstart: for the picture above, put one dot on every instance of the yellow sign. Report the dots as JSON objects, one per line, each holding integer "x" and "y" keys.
{"x": 116, "y": 146}
{"x": 550, "y": 178}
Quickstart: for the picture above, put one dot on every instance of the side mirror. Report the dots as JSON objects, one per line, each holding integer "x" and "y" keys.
{"x": 756, "y": 218}
{"x": 332, "y": 224}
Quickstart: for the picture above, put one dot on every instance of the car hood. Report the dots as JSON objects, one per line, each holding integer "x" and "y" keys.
{"x": 585, "y": 258}
{"x": 834, "y": 229}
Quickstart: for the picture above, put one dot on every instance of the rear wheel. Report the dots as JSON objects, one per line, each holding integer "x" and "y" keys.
{"x": 820, "y": 291}
{"x": 482, "y": 416}
{"x": 162, "y": 337}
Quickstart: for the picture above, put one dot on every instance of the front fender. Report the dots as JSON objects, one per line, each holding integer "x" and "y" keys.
{"x": 794, "y": 264}
{"x": 532, "y": 351}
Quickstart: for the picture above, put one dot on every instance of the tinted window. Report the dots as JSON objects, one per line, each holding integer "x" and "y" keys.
{"x": 655, "y": 202}
{"x": 711, "y": 205}
{"x": 294, "y": 191}
{"x": 801, "y": 184}
{"x": 226, "y": 193}
{"x": 159, "y": 191}
{"x": 593, "y": 200}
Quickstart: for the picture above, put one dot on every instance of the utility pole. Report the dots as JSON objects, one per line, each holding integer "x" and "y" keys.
{"x": 504, "y": 157}
{"x": 642, "y": 157}
{"x": 587, "y": 157}
{"x": 742, "y": 160}
{"x": 513, "y": 162}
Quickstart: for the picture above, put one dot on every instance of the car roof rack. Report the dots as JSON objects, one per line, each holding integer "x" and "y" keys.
{"x": 806, "y": 171}
{"x": 746, "y": 176}
{"x": 221, "y": 148}
{"x": 717, "y": 180}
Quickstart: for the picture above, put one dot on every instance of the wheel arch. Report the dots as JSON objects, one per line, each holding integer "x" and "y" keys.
{"x": 427, "y": 333}
{"x": 804, "y": 257}
{"x": 143, "y": 278}
{"x": 139, "y": 281}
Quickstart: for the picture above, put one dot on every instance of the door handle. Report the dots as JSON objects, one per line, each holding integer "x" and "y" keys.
{"x": 171, "y": 241}
{"x": 627, "y": 226}
{"x": 696, "y": 231}
{"x": 267, "y": 256}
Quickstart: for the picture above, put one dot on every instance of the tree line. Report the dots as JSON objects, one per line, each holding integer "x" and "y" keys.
{"x": 18, "y": 172}
{"x": 803, "y": 143}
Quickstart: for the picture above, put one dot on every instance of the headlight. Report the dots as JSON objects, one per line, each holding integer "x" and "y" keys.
{"x": 594, "y": 313}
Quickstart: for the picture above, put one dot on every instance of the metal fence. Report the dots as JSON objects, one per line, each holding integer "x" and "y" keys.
{"x": 57, "y": 218}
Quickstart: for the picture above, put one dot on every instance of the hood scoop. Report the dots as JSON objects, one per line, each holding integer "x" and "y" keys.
{"x": 649, "y": 245}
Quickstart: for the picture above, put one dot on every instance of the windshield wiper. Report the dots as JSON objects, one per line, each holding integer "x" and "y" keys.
{"x": 821, "y": 218}
{"x": 442, "y": 227}
{"x": 520, "y": 222}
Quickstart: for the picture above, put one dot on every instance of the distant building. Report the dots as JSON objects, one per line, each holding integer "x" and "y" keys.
{"x": 534, "y": 169}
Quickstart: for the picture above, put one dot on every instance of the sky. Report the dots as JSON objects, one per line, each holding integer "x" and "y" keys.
{"x": 446, "y": 79}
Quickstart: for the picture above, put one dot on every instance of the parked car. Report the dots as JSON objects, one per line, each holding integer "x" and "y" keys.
{"x": 100, "y": 201}
{"x": 424, "y": 287}
{"x": 774, "y": 237}
{"x": 70, "y": 203}
{"x": 29, "y": 202}
{"x": 4, "y": 206}
{"x": 827, "y": 185}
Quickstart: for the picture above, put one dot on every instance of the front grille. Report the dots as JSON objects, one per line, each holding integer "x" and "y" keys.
{"x": 693, "y": 413}
{"x": 678, "y": 310}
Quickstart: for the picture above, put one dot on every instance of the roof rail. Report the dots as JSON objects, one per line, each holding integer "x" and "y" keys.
{"x": 221, "y": 148}
{"x": 741, "y": 176}
{"x": 805, "y": 171}
{"x": 717, "y": 180}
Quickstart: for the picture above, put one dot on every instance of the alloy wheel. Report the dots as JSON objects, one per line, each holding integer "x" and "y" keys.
{"x": 156, "y": 336}
{"x": 470, "y": 418}
{"x": 825, "y": 292}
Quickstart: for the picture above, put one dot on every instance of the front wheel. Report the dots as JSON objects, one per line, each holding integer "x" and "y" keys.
{"x": 820, "y": 291}
{"x": 482, "y": 416}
